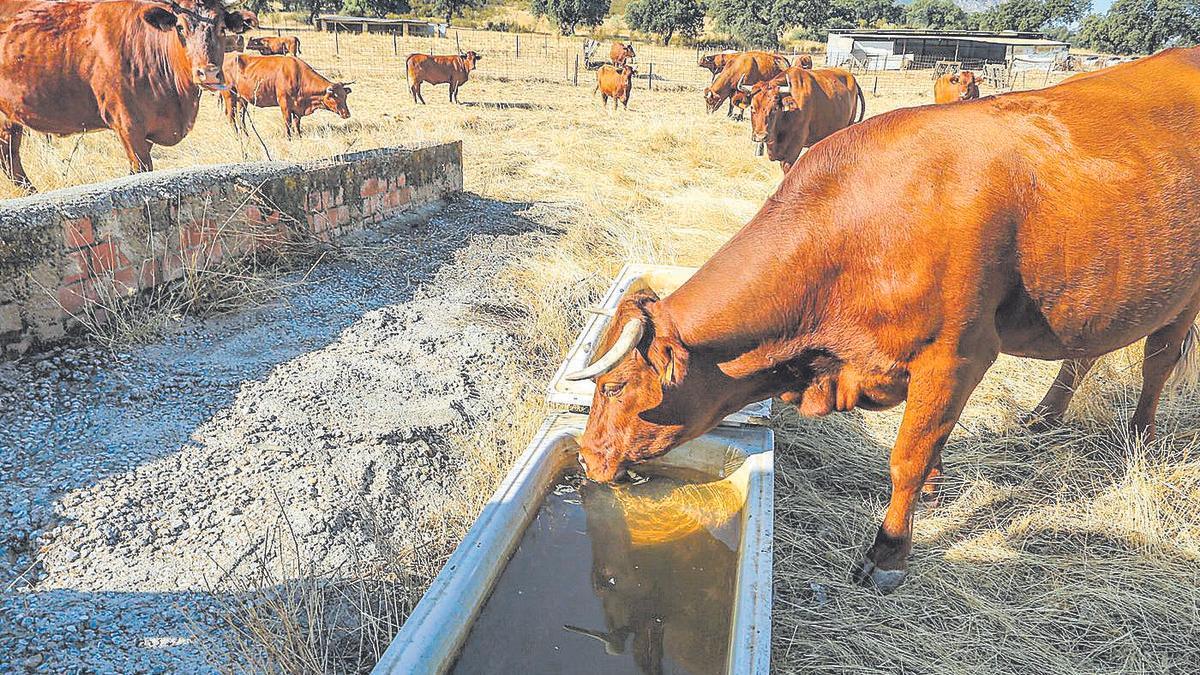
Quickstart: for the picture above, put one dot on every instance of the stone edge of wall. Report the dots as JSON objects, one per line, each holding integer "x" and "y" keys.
{"x": 63, "y": 254}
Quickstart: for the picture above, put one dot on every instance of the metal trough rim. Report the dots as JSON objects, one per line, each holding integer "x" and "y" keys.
{"x": 429, "y": 641}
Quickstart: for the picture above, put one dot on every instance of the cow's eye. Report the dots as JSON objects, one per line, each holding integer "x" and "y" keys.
{"x": 612, "y": 388}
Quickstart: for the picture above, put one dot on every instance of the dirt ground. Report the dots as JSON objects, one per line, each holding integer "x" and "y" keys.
{"x": 251, "y": 489}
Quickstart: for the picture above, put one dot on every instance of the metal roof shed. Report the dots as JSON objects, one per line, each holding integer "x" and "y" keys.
{"x": 901, "y": 48}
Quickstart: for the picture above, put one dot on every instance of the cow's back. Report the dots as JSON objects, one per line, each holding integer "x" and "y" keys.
{"x": 830, "y": 99}
{"x": 88, "y": 51}
{"x": 1068, "y": 212}
{"x": 436, "y": 69}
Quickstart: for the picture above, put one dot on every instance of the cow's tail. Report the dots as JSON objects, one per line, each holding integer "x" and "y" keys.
{"x": 297, "y": 47}
{"x": 409, "y": 66}
{"x": 1187, "y": 370}
{"x": 862, "y": 103}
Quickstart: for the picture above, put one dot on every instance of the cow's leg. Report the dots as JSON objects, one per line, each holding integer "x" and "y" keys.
{"x": 416, "y": 92}
{"x": 137, "y": 149}
{"x": 1053, "y": 407}
{"x": 1163, "y": 350}
{"x": 299, "y": 133}
{"x": 10, "y": 155}
{"x": 940, "y": 381}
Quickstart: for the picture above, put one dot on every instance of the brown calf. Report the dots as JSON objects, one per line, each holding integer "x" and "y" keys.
{"x": 451, "y": 70}
{"x": 962, "y": 86}
{"x": 620, "y": 53}
{"x": 615, "y": 83}
{"x": 283, "y": 81}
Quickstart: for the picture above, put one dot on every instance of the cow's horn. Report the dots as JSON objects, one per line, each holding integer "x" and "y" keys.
{"x": 601, "y": 311}
{"x": 742, "y": 87}
{"x": 631, "y": 335}
{"x": 785, "y": 89}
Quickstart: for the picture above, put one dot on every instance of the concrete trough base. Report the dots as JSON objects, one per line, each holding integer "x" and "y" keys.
{"x": 432, "y": 637}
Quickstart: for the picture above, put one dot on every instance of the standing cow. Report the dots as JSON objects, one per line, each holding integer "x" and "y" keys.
{"x": 283, "y": 81}
{"x": 746, "y": 68}
{"x": 270, "y": 46}
{"x": 452, "y": 70}
{"x": 131, "y": 66}
{"x": 620, "y": 53}
{"x": 951, "y": 87}
{"x": 856, "y": 287}
{"x": 800, "y": 107}
{"x": 615, "y": 83}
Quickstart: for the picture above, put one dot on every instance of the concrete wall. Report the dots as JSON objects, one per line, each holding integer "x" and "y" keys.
{"x": 65, "y": 255}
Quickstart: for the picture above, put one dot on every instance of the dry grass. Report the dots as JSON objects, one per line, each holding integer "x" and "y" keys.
{"x": 1070, "y": 551}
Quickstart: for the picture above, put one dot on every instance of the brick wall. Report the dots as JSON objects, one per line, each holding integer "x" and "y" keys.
{"x": 66, "y": 254}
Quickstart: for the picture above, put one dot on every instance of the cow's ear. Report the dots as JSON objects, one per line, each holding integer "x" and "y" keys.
{"x": 160, "y": 18}
{"x": 789, "y": 104}
{"x": 669, "y": 357}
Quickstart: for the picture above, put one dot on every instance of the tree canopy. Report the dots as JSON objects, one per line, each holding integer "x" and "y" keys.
{"x": 1143, "y": 26}
{"x": 570, "y": 14}
{"x": 935, "y": 14}
{"x": 666, "y": 17}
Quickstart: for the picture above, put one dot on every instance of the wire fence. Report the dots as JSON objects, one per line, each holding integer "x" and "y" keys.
{"x": 555, "y": 58}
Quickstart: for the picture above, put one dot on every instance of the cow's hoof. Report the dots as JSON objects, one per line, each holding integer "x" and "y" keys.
{"x": 885, "y": 581}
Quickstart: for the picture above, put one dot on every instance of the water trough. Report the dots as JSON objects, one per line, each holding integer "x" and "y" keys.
{"x": 559, "y": 575}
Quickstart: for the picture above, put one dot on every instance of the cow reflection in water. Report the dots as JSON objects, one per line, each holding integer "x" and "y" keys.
{"x": 672, "y": 594}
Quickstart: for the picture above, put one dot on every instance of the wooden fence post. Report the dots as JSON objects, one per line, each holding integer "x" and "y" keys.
{"x": 395, "y": 47}
{"x": 518, "y": 49}
{"x": 576, "y": 70}
{"x": 650, "y": 80}
{"x": 335, "y": 40}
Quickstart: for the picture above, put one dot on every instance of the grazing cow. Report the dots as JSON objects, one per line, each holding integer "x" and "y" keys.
{"x": 715, "y": 63}
{"x": 859, "y": 286}
{"x": 745, "y": 68}
{"x": 234, "y": 43}
{"x": 614, "y": 83}
{"x": 800, "y": 107}
{"x": 620, "y": 53}
{"x": 131, "y": 66}
{"x": 452, "y": 70}
{"x": 951, "y": 87}
{"x": 270, "y": 46}
{"x": 285, "y": 82}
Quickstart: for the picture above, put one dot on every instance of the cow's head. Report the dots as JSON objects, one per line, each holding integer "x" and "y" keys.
{"x": 712, "y": 99}
{"x": 334, "y": 99}
{"x": 768, "y": 101}
{"x": 255, "y": 43}
{"x": 708, "y": 62}
{"x": 804, "y": 61}
{"x": 627, "y": 72}
{"x": 967, "y": 85}
{"x": 628, "y": 52}
{"x": 200, "y": 26}
{"x": 470, "y": 59}
{"x": 652, "y": 392}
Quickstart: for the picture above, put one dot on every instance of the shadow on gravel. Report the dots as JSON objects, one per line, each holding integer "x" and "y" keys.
{"x": 76, "y": 415}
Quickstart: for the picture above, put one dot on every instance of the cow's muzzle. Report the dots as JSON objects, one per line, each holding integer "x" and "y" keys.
{"x": 209, "y": 77}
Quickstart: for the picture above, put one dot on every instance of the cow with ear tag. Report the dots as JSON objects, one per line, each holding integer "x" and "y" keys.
{"x": 800, "y": 107}
{"x": 853, "y": 288}
{"x": 131, "y": 66}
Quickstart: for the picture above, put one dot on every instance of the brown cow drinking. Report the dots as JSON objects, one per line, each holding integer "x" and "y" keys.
{"x": 283, "y": 81}
{"x": 452, "y": 70}
{"x": 275, "y": 46}
{"x": 131, "y": 66}
{"x": 856, "y": 287}
{"x": 614, "y": 83}
{"x": 952, "y": 87}
{"x": 800, "y": 107}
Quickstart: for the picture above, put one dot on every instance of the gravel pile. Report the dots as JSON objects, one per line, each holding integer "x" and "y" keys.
{"x": 132, "y": 482}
